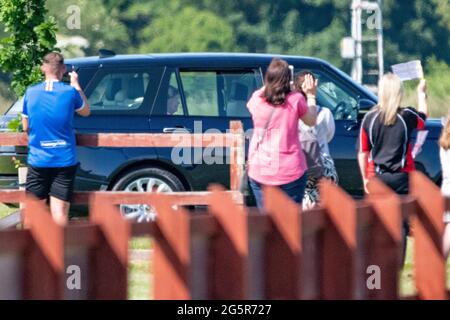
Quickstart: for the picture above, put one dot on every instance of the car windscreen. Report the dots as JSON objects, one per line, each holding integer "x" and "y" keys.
{"x": 16, "y": 108}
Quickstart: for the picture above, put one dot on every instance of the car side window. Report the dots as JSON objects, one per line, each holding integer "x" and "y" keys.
{"x": 219, "y": 93}
{"x": 334, "y": 96}
{"x": 16, "y": 108}
{"x": 168, "y": 101}
{"x": 200, "y": 90}
{"x": 237, "y": 90}
{"x": 119, "y": 91}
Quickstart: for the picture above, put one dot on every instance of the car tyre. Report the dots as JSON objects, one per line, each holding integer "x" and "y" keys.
{"x": 147, "y": 179}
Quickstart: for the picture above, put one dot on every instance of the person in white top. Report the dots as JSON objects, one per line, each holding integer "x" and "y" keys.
{"x": 324, "y": 132}
{"x": 444, "y": 154}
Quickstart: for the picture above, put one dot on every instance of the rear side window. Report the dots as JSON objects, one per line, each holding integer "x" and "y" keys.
{"x": 123, "y": 92}
{"x": 16, "y": 108}
{"x": 237, "y": 90}
{"x": 210, "y": 93}
{"x": 84, "y": 75}
{"x": 200, "y": 89}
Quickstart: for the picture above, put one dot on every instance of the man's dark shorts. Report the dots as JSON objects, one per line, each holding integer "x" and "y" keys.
{"x": 56, "y": 182}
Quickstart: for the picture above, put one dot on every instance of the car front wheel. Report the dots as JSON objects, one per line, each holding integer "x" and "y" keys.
{"x": 146, "y": 180}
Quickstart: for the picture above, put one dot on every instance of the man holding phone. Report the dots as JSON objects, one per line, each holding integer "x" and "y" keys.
{"x": 48, "y": 111}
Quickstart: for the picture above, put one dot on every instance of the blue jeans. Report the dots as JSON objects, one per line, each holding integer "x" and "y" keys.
{"x": 295, "y": 190}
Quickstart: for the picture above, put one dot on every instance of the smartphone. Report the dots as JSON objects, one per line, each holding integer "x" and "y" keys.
{"x": 66, "y": 76}
{"x": 291, "y": 69}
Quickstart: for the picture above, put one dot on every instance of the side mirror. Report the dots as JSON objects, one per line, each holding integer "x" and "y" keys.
{"x": 364, "y": 105}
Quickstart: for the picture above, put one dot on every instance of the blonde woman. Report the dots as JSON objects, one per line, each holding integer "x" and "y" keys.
{"x": 444, "y": 154}
{"x": 385, "y": 137}
{"x": 385, "y": 149}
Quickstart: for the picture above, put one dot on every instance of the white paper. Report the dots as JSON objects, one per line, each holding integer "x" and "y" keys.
{"x": 420, "y": 140}
{"x": 409, "y": 70}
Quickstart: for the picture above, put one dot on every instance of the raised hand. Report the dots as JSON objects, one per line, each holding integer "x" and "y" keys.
{"x": 74, "y": 80}
{"x": 309, "y": 85}
{"x": 422, "y": 87}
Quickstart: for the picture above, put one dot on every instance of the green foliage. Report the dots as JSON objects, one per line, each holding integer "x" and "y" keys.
{"x": 99, "y": 25}
{"x": 439, "y": 77}
{"x": 413, "y": 29}
{"x": 30, "y": 35}
{"x": 437, "y": 74}
{"x": 15, "y": 125}
{"x": 204, "y": 30}
{"x": 17, "y": 163}
{"x": 416, "y": 30}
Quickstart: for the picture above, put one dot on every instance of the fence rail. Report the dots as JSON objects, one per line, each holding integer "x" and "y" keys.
{"x": 230, "y": 251}
{"x": 233, "y": 139}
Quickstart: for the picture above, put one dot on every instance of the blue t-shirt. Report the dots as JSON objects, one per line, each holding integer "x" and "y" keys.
{"x": 50, "y": 107}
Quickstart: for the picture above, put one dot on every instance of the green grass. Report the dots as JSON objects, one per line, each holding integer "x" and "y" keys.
{"x": 407, "y": 283}
{"x": 140, "y": 280}
{"x": 407, "y": 287}
{"x": 141, "y": 243}
{"x": 140, "y": 272}
{"x": 6, "y": 210}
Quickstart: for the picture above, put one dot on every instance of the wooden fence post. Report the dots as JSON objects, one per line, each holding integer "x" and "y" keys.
{"x": 385, "y": 243}
{"x": 312, "y": 240}
{"x": 237, "y": 154}
{"x": 283, "y": 246}
{"x": 339, "y": 242}
{"x": 229, "y": 248}
{"x": 44, "y": 259}
{"x": 172, "y": 258}
{"x": 428, "y": 228}
{"x": 13, "y": 246}
{"x": 110, "y": 274}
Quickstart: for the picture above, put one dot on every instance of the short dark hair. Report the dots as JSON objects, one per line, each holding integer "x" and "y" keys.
{"x": 277, "y": 82}
{"x": 54, "y": 60}
{"x": 300, "y": 78}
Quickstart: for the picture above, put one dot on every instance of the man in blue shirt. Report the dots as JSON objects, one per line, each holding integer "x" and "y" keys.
{"x": 48, "y": 112}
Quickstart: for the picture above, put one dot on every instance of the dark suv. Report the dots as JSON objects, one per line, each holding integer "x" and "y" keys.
{"x": 163, "y": 93}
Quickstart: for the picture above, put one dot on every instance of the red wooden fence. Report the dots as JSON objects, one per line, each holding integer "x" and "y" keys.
{"x": 234, "y": 139}
{"x": 231, "y": 251}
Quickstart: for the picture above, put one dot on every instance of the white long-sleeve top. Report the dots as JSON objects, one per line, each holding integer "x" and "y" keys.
{"x": 325, "y": 128}
{"x": 445, "y": 163}
{"x": 444, "y": 155}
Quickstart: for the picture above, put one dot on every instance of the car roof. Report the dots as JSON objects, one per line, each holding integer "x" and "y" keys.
{"x": 213, "y": 60}
{"x": 188, "y": 59}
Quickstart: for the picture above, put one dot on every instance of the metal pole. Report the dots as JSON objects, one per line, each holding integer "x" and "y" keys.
{"x": 354, "y": 72}
{"x": 357, "y": 36}
{"x": 380, "y": 38}
{"x": 359, "y": 48}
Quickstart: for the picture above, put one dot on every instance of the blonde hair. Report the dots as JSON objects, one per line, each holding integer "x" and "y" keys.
{"x": 390, "y": 94}
{"x": 444, "y": 140}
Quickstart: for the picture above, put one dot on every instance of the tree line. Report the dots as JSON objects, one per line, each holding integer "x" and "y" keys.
{"x": 413, "y": 29}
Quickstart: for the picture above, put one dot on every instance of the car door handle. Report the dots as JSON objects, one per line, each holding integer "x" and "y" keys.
{"x": 177, "y": 129}
{"x": 352, "y": 126}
